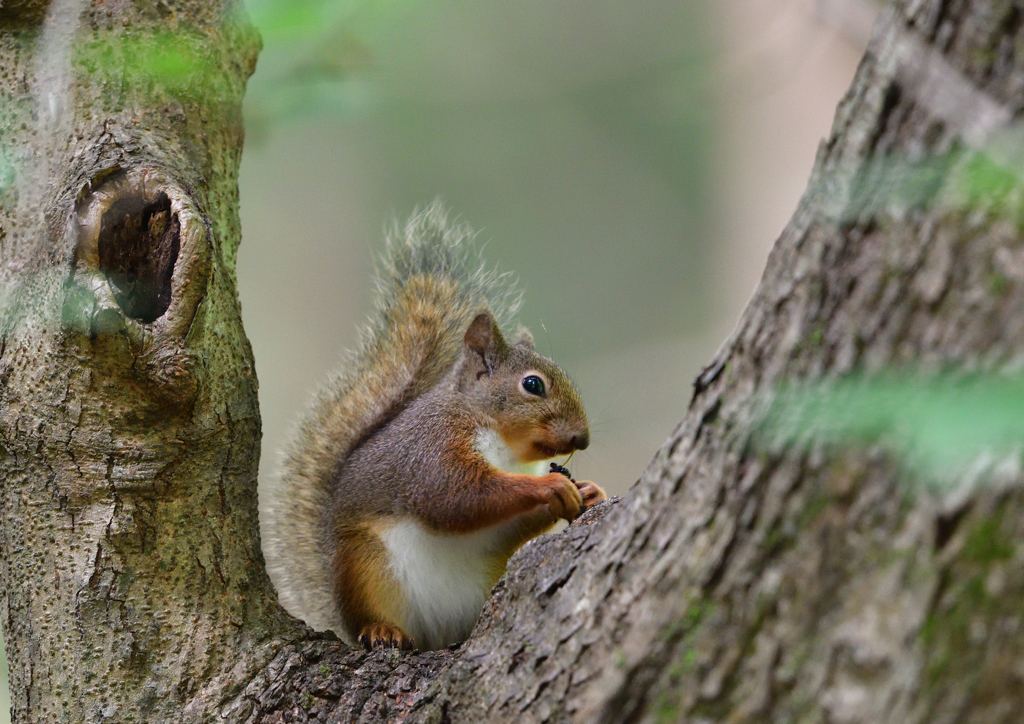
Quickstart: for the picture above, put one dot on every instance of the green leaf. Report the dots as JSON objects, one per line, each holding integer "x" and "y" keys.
{"x": 938, "y": 424}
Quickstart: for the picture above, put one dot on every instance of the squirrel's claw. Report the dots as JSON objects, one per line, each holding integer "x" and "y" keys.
{"x": 385, "y": 636}
{"x": 591, "y": 492}
{"x": 561, "y": 495}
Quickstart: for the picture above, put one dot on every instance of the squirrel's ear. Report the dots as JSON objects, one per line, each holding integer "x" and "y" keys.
{"x": 523, "y": 338}
{"x": 483, "y": 339}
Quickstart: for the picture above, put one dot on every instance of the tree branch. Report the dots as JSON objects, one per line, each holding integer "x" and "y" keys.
{"x": 744, "y": 582}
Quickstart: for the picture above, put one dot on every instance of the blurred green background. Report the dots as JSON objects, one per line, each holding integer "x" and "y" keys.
{"x": 632, "y": 163}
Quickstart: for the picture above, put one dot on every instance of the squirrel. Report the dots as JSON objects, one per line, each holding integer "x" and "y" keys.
{"x": 419, "y": 469}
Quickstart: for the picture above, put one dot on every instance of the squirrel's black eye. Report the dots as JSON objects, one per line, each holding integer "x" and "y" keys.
{"x": 534, "y": 385}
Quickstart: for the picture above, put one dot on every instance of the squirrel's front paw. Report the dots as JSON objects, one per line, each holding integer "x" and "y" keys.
{"x": 591, "y": 492}
{"x": 385, "y": 636}
{"x": 562, "y": 496}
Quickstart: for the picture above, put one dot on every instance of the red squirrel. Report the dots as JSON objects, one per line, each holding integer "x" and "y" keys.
{"x": 420, "y": 468}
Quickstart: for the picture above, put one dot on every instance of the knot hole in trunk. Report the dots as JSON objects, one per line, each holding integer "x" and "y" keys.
{"x": 138, "y": 246}
{"x": 142, "y": 260}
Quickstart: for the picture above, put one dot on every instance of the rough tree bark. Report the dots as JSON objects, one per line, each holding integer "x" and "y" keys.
{"x": 736, "y": 581}
{"x": 130, "y": 569}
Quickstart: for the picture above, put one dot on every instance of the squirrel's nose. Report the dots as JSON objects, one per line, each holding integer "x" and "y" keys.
{"x": 581, "y": 440}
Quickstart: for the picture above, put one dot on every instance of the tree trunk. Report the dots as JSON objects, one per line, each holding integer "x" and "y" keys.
{"x": 738, "y": 581}
{"x": 131, "y": 577}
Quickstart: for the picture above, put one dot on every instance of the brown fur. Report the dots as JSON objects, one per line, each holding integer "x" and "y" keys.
{"x": 393, "y": 437}
{"x": 423, "y": 462}
{"x": 361, "y": 579}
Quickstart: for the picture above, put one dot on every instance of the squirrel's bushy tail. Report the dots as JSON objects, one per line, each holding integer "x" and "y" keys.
{"x": 430, "y": 285}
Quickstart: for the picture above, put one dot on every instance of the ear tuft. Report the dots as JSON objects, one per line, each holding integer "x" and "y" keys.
{"x": 523, "y": 338}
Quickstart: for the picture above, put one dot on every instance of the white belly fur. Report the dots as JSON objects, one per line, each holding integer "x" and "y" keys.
{"x": 446, "y": 578}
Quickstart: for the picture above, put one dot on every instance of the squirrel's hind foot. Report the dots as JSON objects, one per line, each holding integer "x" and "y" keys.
{"x": 385, "y": 636}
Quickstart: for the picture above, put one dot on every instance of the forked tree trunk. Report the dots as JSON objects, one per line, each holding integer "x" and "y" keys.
{"x": 735, "y": 582}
